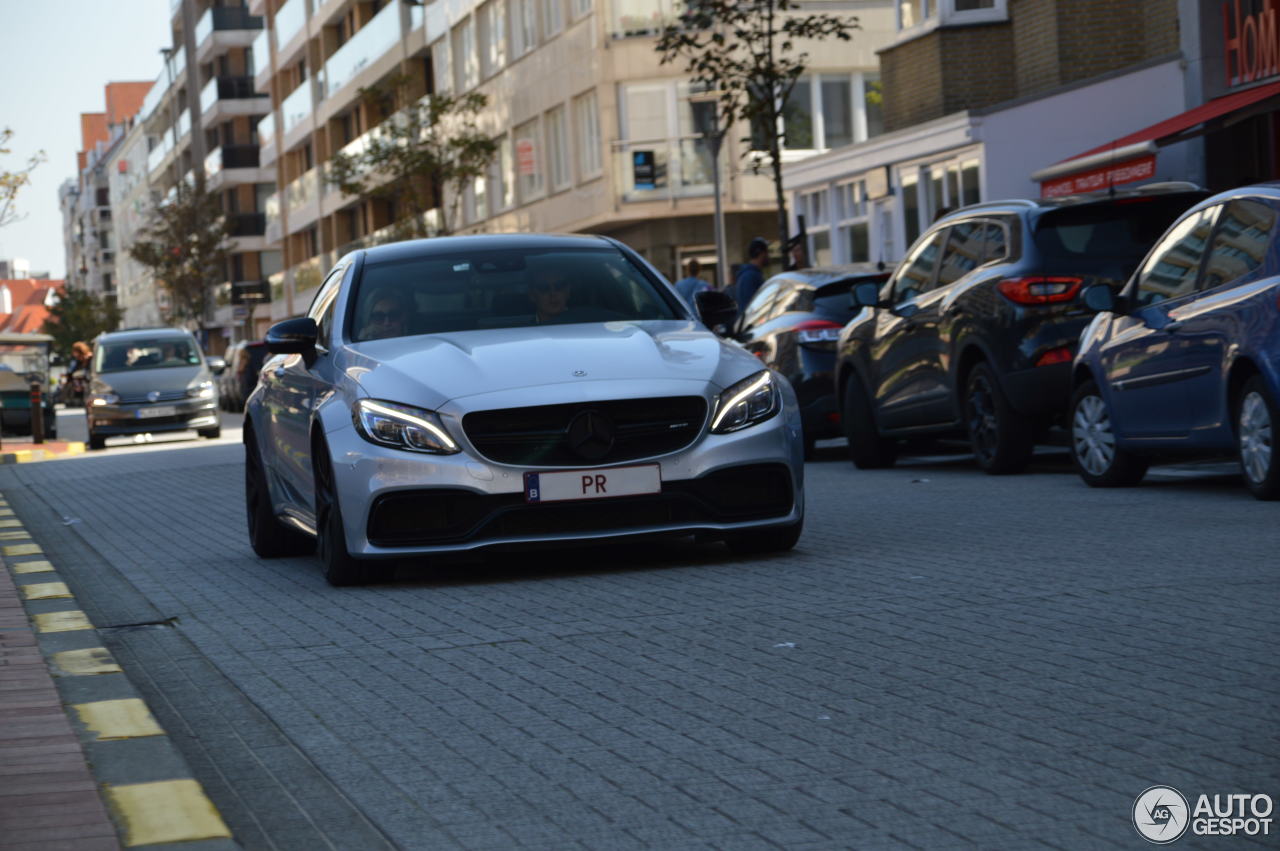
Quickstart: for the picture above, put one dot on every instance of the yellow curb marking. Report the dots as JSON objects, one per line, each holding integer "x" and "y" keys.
{"x": 62, "y": 621}
{"x": 22, "y": 550}
{"x": 119, "y": 719}
{"x": 32, "y": 566}
{"x": 167, "y": 811}
{"x": 46, "y": 591}
{"x": 95, "y": 660}
{"x": 11, "y": 523}
{"x": 15, "y": 536}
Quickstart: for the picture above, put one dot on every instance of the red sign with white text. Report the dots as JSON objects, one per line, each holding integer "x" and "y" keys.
{"x": 1100, "y": 178}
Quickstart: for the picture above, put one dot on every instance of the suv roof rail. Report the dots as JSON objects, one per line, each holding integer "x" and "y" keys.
{"x": 1004, "y": 202}
{"x": 1169, "y": 186}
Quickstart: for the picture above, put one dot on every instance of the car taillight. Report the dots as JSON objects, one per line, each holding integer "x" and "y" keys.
{"x": 1061, "y": 354}
{"x": 1040, "y": 289}
{"x": 818, "y": 331}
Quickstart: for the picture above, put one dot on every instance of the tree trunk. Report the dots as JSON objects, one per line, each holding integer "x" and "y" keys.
{"x": 775, "y": 159}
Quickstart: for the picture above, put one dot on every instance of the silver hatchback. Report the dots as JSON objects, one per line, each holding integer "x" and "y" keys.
{"x": 461, "y": 393}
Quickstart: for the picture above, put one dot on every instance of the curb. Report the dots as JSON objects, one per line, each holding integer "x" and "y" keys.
{"x": 148, "y": 788}
{"x": 25, "y": 456}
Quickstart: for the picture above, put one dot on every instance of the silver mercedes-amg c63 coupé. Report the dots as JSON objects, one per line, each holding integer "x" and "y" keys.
{"x": 461, "y": 393}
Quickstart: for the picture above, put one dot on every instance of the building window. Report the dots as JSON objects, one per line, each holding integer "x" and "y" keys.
{"x": 552, "y": 17}
{"x": 934, "y": 189}
{"x": 852, "y": 212}
{"x": 925, "y": 14}
{"x": 587, "y": 118}
{"x": 663, "y": 148}
{"x": 501, "y": 189}
{"x": 830, "y": 111}
{"x": 524, "y": 27}
{"x": 528, "y": 150}
{"x": 578, "y": 8}
{"x": 913, "y": 13}
{"x": 441, "y": 67}
{"x": 492, "y": 38}
{"x": 640, "y": 17}
{"x": 466, "y": 68}
{"x": 558, "y": 148}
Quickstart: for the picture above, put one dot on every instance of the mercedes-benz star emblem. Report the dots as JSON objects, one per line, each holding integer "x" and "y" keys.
{"x": 591, "y": 435}
{"x": 579, "y": 372}
{"x": 153, "y": 395}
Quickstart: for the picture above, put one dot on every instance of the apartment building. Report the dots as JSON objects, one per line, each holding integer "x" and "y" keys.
{"x": 594, "y": 134}
{"x": 982, "y": 98}
{"x": 89, "y": 239}
{"x": 201, "y": 118}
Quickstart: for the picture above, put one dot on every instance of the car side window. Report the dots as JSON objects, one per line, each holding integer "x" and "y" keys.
{"x": 916, "y": 275}
{"x": 1173, "y": 266}
{"x": 963, "y": 252}
{"x": 996, "y": 244}
{"x": 1240, "y": 242}
{"x": 322, "y": 309}
{"x": 758, "y": 310}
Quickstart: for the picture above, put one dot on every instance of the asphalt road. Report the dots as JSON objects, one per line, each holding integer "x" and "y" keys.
{"x": 946, "y": 659}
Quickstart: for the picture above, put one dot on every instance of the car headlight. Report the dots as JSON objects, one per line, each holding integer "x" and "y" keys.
{"x": 202, "y": 390}
{"x": 402, "y": 427}
{"x": 97, "y": 400}
{"x": 752, "y": 400}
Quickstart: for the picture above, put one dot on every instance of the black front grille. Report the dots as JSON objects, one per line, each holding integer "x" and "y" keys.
{"x": 446, "y": 515}
{"x": 540, "y": 436}
{"x": 163, "y": 396}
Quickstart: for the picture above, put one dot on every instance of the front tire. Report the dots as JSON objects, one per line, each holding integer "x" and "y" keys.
{"x": 777, "y": 539}
{"x": 340, "y": 567}
{"x": 267, "y": 535}
{"x": 1256, "y": 418}
{"x": 1002, "y": 439}
{"x": 211, "y": 433}
{"x": 97, "y": 441}
{"x": 867, "y": 448}
{"x": 1098, "y": 459}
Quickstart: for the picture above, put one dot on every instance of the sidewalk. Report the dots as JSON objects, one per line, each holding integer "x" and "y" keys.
{"x": 84, "y": 765}
{"x": 20, "y": 452}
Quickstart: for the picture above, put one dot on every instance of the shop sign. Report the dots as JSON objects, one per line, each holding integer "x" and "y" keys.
{"x": 1100, "y": 178}
{"x": 644, "y": 169}
{"x": 1250, "y": 43}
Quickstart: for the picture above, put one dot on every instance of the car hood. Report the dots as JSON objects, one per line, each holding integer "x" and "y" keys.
{"x": 431, "y": 370}
{"x": 140, "y": 382}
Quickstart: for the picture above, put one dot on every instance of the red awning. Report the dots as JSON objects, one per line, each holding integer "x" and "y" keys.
{"x": 1215, "y": 108}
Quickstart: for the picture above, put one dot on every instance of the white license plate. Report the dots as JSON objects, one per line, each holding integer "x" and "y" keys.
{"x": 592, "y": 484}
{"x": 161, "y": 411}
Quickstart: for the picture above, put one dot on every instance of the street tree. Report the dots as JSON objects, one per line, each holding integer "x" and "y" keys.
{"x": 745, "y": 53}
{"x": 11, "y": 182}
{"x": 420, "y": 158}
{"x": 185, "y": 244}
{"x": 79, "y": 315}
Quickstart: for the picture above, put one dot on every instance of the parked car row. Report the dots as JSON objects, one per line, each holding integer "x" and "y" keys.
{"x": 244, "y": 362}
{"x": 978, "y": 333}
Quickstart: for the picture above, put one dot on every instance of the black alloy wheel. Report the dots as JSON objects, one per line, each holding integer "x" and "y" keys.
{"x": 340, "y": 567}
{"x": 1002, "y": 439}
{"x": 267, "y": 535}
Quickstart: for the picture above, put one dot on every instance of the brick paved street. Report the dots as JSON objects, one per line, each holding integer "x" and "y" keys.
{"x": 946, "y": 659}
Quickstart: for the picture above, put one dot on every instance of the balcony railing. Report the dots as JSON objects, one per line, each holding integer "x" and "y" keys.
{"x": 227, "y": 88}
{"x": 267, "y": 129}
{"x": 226, "y": 18}
{"x": 273, "y": 231}
{"x": 302, "y": 191}
{"x": 230, "y": 156}
{"x": 288, "y": 21}
{"x": 663, "y": 168}
{"x": 296, "y": 107}
{"x": 157, "y": 155}
{"x": 641, "y": 17}
{"x": 247, "y": 224}
{"x": 183, "y": 124}
{"x": 261, "y": 52}
{"x": 371, "y": 42}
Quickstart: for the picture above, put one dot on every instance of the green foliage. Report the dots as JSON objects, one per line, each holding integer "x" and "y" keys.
{"x": 421, "y": 158}
{"x": 11, "y": 182}
{"x": 745, "y": 53}
{"x": 79, "y": 315}
{"x": 185, "y": 245}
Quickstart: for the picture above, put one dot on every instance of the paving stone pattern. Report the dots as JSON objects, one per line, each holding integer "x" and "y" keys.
{"x": 947, "y": 659}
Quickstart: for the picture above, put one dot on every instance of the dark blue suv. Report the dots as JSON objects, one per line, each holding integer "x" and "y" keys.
{"x": 1186, "y": 359}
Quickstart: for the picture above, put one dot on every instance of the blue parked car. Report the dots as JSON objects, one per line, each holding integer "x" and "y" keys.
{"x": 1185, "y": 360}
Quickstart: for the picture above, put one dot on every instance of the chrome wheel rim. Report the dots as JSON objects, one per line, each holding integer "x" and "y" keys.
{"x": 1255, "y": 437}
{"x": 1092, "y": 437}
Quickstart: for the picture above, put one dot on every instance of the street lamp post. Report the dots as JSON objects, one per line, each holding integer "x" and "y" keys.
{"x": 715, "y": 141}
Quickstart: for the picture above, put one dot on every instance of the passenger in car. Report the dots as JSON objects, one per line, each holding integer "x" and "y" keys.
{"x": 385, "y": 316}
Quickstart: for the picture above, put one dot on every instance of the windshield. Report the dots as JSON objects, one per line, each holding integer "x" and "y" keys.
{"x": 512, "y": 288}
{"x": 21, "y": 364}
{"x": 1120, "y": 231}
{"x": 142, "y": 353}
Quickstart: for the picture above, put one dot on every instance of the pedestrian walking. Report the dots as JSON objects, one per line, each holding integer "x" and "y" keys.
{"x": 690, "y": 285}
{"x": 751, "y": 274}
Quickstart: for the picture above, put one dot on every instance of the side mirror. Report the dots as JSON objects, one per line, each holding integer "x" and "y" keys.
{"x": 865, "y": 294}
{"x": 216, "y": 365}
{"x": 293, "y": 337}
{"x": 716, "y": 309}
{"x": 1099, "y": 298}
